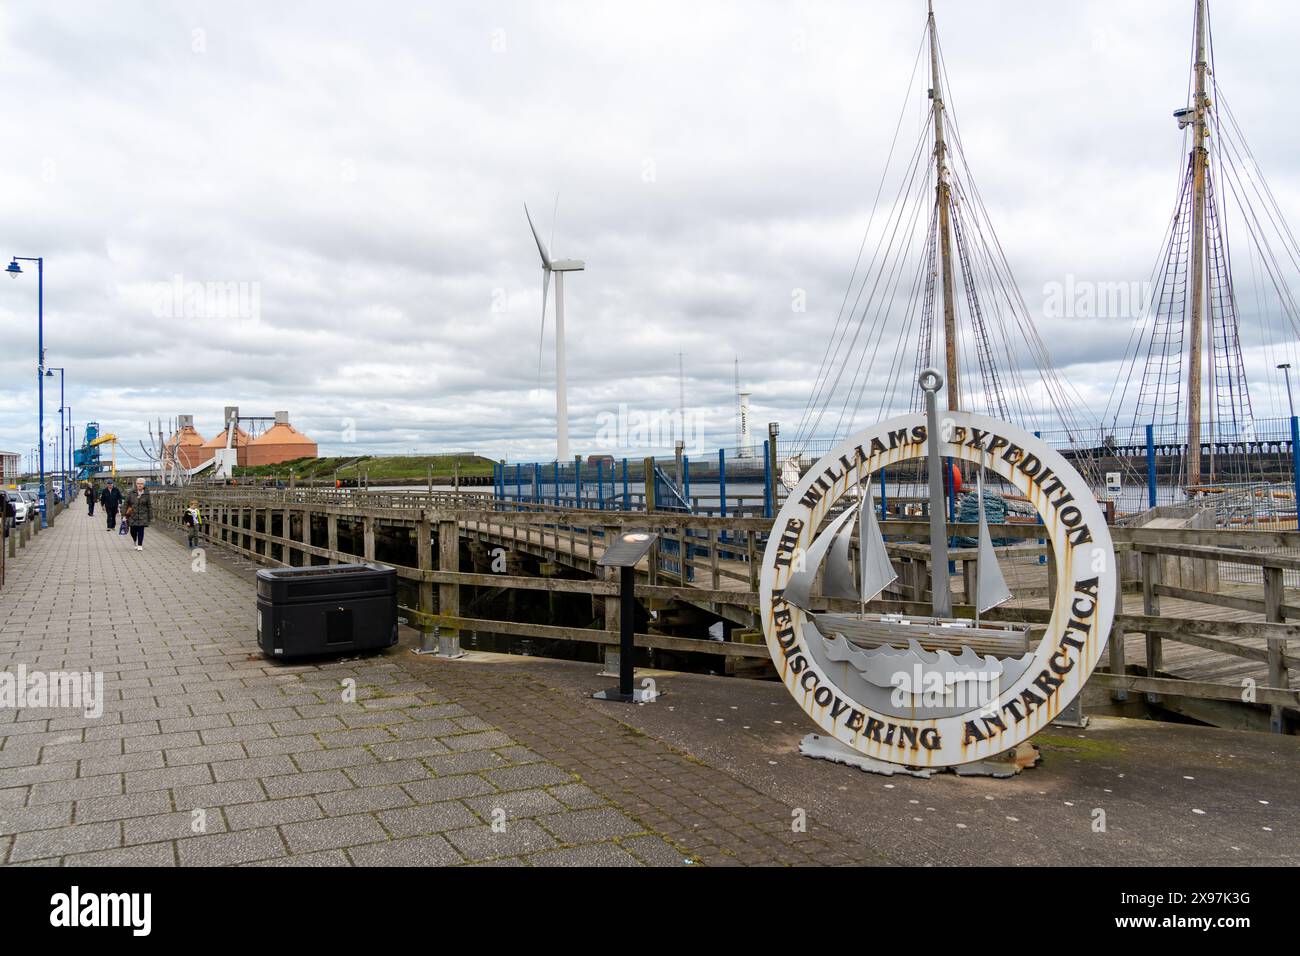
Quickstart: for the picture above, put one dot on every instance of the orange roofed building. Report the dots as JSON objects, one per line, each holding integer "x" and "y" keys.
{"x": 281, "y": 442}
{"x": 191, "y": 450}
{"x": 241, "y": 444}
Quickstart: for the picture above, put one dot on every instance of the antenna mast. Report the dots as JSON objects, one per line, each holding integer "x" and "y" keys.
{"x": 738, "y": 435}
{"x": 681, "y": 392}
{"x": 942, "y": 193}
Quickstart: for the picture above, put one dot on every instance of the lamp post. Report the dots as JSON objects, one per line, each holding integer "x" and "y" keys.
{"x": 1286, "y": 370}
{"x": 15, "y": 270}
{"x": 59, "y": 464}
{"x": 72, "y": 447}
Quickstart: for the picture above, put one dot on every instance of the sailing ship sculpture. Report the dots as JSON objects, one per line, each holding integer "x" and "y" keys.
{"x": 904, "y": 665}
{"x": 914, "y": 693}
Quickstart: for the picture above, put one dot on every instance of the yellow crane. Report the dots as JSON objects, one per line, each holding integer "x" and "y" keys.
{"x": 106, "y": 440}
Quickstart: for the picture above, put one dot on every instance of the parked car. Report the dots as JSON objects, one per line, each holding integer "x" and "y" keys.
{"x": 21, "y": 506}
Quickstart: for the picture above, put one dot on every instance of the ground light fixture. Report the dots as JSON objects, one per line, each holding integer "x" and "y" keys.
{"x": 623, "y": 553}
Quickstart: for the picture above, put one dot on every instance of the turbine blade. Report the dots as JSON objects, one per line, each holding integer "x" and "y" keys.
{"x": 546, "y": 259}
{"x": 541, "y": 335}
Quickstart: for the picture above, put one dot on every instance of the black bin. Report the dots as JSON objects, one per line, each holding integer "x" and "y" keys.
{"x": 340, "y": 608}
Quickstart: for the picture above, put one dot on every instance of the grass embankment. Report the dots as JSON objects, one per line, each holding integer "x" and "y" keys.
{"x": 379, "y": 468}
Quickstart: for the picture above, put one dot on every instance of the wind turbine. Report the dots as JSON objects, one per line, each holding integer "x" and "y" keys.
{"x": 559, "y": 267}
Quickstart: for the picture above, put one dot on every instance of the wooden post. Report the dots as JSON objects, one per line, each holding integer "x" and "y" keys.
{"x": 286, "y": 523}
{"x": 1151, "y": 608}
{"x": 648, "y": 482}
{"x": 449, "y": 560}
{"x": 683, "y": 555}
{"x": 613, "y": 609}
{"x": 1277, "y": 670}
{"x": 368, "y": 537}
{"x": 1118, "y": 664}
{"x": 332, "y": 536}
{"x": 713, "y": 558}
{"x": 424, "y": 559}
{"x": 751, "y": 558}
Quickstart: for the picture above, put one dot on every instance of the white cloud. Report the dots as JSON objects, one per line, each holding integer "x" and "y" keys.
{"x": 364, "y": 167}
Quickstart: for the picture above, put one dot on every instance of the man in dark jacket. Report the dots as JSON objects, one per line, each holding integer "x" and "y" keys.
{"x": 111, "y": 499}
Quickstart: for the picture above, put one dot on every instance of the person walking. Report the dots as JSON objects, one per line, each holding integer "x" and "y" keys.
{"x": 90, "y": 499}
{"x": 193, "y": 522}
{"x": 139, "y": 511}
{"x": 111, "y": 499}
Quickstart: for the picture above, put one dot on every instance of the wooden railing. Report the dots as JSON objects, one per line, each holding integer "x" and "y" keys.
{"x": 713, "y": 563}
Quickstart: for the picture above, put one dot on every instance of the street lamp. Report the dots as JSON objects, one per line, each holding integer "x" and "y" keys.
{"x": 72, "y": 447}
{"x": 1286, "y": 370}
{"x": 59, "y": 465}
{"x": 15, "y": 270}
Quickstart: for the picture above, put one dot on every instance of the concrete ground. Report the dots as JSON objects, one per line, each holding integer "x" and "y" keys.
{"x": 206, "y": 753}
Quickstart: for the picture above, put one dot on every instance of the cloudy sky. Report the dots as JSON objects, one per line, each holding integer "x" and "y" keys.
{"x": 347, "y": 182}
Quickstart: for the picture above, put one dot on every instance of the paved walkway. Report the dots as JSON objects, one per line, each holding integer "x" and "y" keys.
{"x": 206, "y": 753}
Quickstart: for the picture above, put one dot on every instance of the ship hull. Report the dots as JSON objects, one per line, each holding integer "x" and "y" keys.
{"x": 932, "y": 633}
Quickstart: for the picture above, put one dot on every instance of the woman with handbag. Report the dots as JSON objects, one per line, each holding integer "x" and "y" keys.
{"x": 139, "y": 511}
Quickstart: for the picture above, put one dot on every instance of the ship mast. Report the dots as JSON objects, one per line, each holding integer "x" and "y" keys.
{"x": 942, "y": 195}
{"x": 1200, "y": 160}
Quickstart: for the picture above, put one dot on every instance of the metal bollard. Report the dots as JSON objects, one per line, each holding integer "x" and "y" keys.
{"x": 1072, "y": 715}
{"x": 435, "y": 643}
{"x": 449, "y": 646}
{"x": 428, "y": 642}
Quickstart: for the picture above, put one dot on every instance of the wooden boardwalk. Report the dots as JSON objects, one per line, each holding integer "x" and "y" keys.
{"x": 1182, "y": 634}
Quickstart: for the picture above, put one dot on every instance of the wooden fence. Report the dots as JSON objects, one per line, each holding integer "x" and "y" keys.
{"x": 713, "y": 564}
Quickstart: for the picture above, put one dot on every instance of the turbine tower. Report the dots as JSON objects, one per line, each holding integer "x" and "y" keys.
{"x": 559, "y": 267}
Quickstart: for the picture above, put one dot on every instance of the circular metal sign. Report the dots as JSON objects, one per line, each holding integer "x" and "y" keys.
{"x": 832, "y": 680}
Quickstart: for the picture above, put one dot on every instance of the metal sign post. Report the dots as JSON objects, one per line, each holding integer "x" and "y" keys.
{"x": 623, "y": 553}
